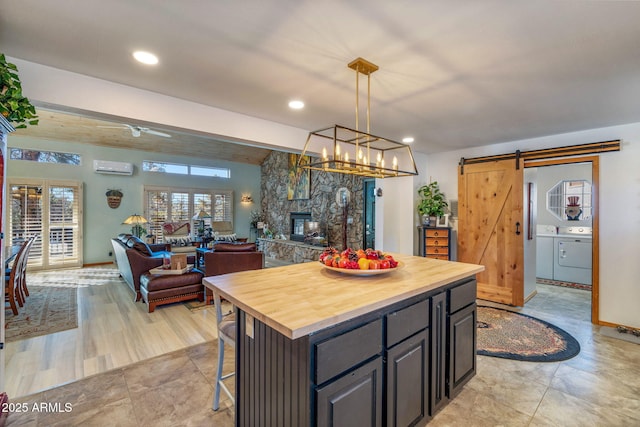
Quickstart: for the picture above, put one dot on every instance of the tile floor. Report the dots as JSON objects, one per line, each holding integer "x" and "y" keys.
{"x": 599, "y": 387}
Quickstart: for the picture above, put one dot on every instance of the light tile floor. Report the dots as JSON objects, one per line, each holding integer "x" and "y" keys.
{"x": 599, "y": 387}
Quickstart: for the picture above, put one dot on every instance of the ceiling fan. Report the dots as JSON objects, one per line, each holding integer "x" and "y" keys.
{"x": 136, "y": 131}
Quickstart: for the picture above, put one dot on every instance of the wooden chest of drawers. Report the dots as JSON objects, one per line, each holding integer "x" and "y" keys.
{"x": 435, "y": 242}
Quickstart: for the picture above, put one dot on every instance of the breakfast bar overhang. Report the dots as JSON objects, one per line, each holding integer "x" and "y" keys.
{"x": 319, "y": 347}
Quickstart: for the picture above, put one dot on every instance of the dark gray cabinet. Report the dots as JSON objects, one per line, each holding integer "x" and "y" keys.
{"x": 462, "y": 352}
{"x": 353, "y": 400}
{"x": 407, "y": 369}
{"x": 461, "y": 336}
{"x": 407, "y": 364}
{"x": 438, "y": 349}
{"x": 396, "y": 366}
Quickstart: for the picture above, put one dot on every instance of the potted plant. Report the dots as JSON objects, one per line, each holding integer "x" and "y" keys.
{"x": 13, "y": 106}
{"x": 256, "y": 217}
{"x": 138, "y": 230}
{"x": 432, "y": 204}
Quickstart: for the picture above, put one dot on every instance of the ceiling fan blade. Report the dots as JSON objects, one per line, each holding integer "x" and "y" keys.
{"x": 111, "y": 127}
{"x": 137, "y": 130}
{"x": 155, "y": 132}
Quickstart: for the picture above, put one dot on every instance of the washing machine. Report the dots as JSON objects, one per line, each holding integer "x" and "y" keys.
{"x": 572, "y": 253}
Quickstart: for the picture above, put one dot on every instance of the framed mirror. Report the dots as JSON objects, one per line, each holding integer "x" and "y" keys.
{"x": 570, "y": 200}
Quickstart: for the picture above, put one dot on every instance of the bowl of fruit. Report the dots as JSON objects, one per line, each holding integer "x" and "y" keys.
{"x": 361, "y": 262}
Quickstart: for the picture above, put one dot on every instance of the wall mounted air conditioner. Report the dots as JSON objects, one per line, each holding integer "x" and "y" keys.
{"x": 114, "y": 168}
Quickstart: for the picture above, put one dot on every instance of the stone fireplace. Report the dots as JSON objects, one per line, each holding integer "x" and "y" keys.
{"x": 321, "y": 204}
{"x": 296, "y": 231}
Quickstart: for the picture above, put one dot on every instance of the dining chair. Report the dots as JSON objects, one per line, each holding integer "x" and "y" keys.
{"x": 23, "y": 280}
{"x": 20, "y": 281}
{"x": 12, "y": 281}
{"x": 226, "y": 326}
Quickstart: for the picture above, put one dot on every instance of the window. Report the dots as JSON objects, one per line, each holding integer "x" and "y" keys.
{"x": 222, "y": 207}
{"x": 149, "y": 166}
{"x": 179, "y": 204}
{"x": 45, "y": 156}
{"x": 570, "y": 200}
{"x": 52, "y": 210}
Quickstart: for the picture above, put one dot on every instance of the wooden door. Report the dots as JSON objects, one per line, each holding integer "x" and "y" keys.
{"x": 491, "y": 227}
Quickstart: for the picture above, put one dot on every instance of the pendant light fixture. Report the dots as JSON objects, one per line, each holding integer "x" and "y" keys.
{"x": 354, "y": 152}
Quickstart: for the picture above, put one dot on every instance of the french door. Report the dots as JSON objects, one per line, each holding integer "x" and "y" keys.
{"x": 53, "y": 211}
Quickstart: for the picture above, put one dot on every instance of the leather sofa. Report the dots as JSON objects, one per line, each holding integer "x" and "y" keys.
{"x": 135, "y": 257}
{"x": 231, "y": 258}
{"x": 178, "y": 236}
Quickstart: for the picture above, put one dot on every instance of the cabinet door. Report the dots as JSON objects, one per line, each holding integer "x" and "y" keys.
{"x": 352, "y": 400}
{"x": 462, "y": 348}
{"x": 408, "y": 381}
{"x": 438, "y": 350}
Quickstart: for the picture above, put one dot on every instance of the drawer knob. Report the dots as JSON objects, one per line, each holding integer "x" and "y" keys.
{"x": 435, "y": 234}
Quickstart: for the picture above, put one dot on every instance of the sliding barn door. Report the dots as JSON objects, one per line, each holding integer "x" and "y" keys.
{"x": 491, "y": 227}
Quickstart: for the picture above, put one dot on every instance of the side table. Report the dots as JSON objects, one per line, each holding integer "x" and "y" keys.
{"x": 435, "y": 242}
{"x": 199, "y": 262}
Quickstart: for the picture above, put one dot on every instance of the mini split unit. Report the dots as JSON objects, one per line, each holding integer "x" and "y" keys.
{"x": 113, "y": 168}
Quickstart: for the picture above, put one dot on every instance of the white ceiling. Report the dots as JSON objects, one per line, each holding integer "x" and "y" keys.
{"x": 453, "y": 74}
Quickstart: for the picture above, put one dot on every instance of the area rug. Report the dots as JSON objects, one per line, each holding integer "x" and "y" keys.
{"x": 563, "y": 284}
{"x": 52, "y": 305}
{"x": 48, "y": 309}
{"x": 510, "y": 335}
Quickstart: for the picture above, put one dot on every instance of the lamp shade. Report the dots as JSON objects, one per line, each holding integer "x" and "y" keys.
{"x": 201, "y": 215}
{"x": 135, "y": 219}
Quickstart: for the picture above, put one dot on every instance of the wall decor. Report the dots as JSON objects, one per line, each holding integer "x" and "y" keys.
{"x": 114, "y": 197}
{"x": 299, "y": 178}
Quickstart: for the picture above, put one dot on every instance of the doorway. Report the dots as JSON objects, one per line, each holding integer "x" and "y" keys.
{"x": 474, "y": 198}
{"x": 52, "y": 210}
{"x": 566, "y": 249}
{"x": 369, "y": 223}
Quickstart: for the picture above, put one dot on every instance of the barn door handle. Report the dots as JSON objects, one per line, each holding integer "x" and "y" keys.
{"x": 518, "y": 228}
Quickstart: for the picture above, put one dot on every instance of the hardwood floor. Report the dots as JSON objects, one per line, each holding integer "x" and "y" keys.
{"x": 112, "y": 332}
{"x": 598, "y": 387}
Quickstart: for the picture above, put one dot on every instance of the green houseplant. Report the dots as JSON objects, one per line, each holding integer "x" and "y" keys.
{"x": 13, "y": 106}
{"x": 432, "y": 203}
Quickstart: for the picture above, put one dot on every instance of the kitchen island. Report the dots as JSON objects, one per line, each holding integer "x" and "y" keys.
{"x": 319, "y": 347}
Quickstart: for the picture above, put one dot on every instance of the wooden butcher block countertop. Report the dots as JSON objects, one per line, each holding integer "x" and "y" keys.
{"x": 301, "y": 299}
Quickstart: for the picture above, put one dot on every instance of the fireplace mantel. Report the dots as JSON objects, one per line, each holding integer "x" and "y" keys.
{"x": 289, "y": 250}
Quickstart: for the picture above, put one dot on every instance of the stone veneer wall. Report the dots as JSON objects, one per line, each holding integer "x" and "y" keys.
{"x": 289, "y": 251}
{"x": 322, "y": 202}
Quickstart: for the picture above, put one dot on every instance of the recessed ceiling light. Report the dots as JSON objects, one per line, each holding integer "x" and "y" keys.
{"x": 145, "y": 57}
{"x": 407, "y": 139}
{"x": 296, "y": 104}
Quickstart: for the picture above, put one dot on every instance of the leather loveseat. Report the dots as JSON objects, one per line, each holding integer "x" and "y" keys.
{"x": 231, "y": 258}
{"x": 135, "y": 257}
